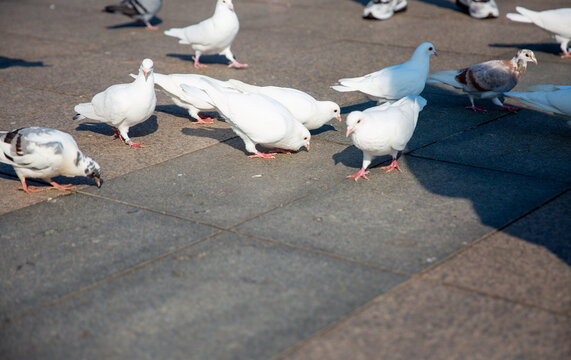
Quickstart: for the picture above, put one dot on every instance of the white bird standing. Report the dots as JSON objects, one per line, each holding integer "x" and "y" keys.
{"x": 383, "y": 130}
{"x": 123, "y": 105}
{"x": 213, "y": 35}
{"x": 487, "y": 80}
{"x": 556, "y": 21}
{"x": 141, "y": 10}
{"x": 394, "y": 82}
{"x": 311, "y": 113}
{"x": 38, "y": 152}
{"x": 256, "y": 118}
{"x": 552, "y": 98}
{"x": 171, "y": 84}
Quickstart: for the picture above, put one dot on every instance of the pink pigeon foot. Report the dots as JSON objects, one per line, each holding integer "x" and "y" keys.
{"x": 117, "y": 134}
{"x": 204, "y": 120}
{"x": 393, "y": 165}
{"x": 512, "y": 109}
{"x": 133, "y": 144}
{"x": 262, "y": 155}
{"x": 566, "y": 55}
{"x": 360, "y": 174}
{"x": 198, "y": 64}
{"x": 475, "y": 108}
{"x": 61, "y": 187}
{"x": 30, "y": 190}
{"x": 237, "y": 65}
{"x": 152, "y": 27}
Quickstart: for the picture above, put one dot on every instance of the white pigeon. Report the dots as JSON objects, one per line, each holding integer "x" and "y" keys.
{"x": 213, "y": 35}
{"x": 552, "y": 98}
{"x": 171, "y": 84}
{"x": 383, "y": 130}
{"x": 394, "y": 82}
{"x": 556, "y": 21}
{"x": 141, "y": 10}
{"x": 39, "y": 152}
{"x": 311, "y": 113}
{"x": 487, "y": 80}
{"x": 256, "y": 118}
{"x": 123, "y": 105}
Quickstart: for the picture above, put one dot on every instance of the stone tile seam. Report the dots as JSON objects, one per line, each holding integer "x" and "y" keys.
{"x": 106, "y": 280}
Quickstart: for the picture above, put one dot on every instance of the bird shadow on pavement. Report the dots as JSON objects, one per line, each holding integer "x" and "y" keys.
{"x": 134, "y": 24}
{"x": 218, "y": 134}
{"x": 6, "y": 62}
{"x": 147, "y": 127}
{"x": 548, "y": 48}
{"x": 204, "y": 59}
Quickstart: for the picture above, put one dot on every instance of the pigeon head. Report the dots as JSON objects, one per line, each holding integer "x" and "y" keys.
{"x": 354, "y": 119}
{"x": 301, "y": 137}
{"x": 226, "y": 3}
{"x": 425, "y": 49}
{"x": 146, "y": 68}
{"x": 524, "y": 56}
{"x": 90, "y": 168}
{"x": 334, "y": 109}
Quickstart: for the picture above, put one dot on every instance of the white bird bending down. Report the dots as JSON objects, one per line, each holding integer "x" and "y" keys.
{"x": 394, "y": 82}
{"x": 556, "y": 21}
{"x": 171, "y": 85}
{"x": 383, "y": 130}
{"x": 38, "y": 152}
{"x": 123, "y": 105}
{"x": 141, "y": 10}
{"x": 487, "y": 80}
{"x": 213, "y": 35}
{"x": 256, "y": 118}
{"x": 552, "y": 98}
{"x": 311, "y": 113}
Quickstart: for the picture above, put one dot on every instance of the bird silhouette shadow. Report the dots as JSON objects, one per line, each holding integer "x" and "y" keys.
{"x": 216, "y": 134}
{"x": 135, "y": 24}
{"x": 548, "y": 48}
{"x": 205, "y": 59}
{"x": 147, "y": 127}
{"x": 353, "y": 157}
{"x": 6, "y": 62}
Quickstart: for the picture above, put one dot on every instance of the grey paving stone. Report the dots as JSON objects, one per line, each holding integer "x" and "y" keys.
{"x": 66, "y": 244}
{"x": 202, "y": 185}
{"x": 405, "y": 221}
{"x": 529, "y": 142}
{"x": 229, "y": 297}
{"x": 427, "y": 321}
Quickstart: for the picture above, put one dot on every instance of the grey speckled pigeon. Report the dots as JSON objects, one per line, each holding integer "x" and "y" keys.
{"x": 38, "y": 152}
{"x": 487, "y": 80}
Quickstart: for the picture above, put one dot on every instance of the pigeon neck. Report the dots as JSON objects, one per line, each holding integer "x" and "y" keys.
{"x": 520, "y": 65}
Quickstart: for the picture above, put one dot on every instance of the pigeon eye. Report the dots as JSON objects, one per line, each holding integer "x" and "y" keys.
{"x": 526, "y": 55}
{"x": 430, "y": 48}
{"x": 335, "y": 110}
{"x": 305, "y": 138}
{"x": 358, "y": 121}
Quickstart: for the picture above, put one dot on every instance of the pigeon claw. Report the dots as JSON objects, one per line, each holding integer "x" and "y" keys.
{"x": 198, "y": 64}
{"x": 360, "y": 174}
{"x": 263, "y": 155}
{"x": 204, "y": 121}
{"x": 393, "y": 165}
{"x": 30, "y": 190}
{"x": 237, "y": 65}
{"x": 512, "y": 109}
{"x": 134, "y": 144}
{"x": 62, "y": 187}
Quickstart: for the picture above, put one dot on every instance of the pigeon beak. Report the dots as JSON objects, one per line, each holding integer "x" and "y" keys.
{"x": 339, "y": 118}
{"x": 534, "y": 61}
{"x": 349, "y": 131}
{"x": 435, "y": 53}
{"x": 231, "y": 7}
{"x": 146, "y": 73}
{"x": 97, "y": 181}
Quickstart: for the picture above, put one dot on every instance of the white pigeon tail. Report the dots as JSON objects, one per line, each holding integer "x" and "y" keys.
{"x": 552, "y": 98}
{"x": 256, "y": 118}
{"x": 383, "y": 130}
{"x": 123, "y": 105}
{"x": 394, "y": 82}
{"x": 487, "y": 80}
{"x": 38, "y": 152}
{"x": 311, "y": 113}
{"x": 213, "y": 35}
{"x": 556, "y": 21}
{"x": 171, "y": 85}
{"x": 141, "y": 10}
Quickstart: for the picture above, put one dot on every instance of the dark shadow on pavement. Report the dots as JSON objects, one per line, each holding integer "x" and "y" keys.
{"x": 6, "y": 62}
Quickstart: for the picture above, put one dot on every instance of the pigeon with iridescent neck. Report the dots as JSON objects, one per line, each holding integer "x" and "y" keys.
{"x": 44, "y": 153}
{"x": 487, "y": 80}
{"x": 123, "y": 105}
{"x": 383, "y": 130}
{"x": 213, "y": 35}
